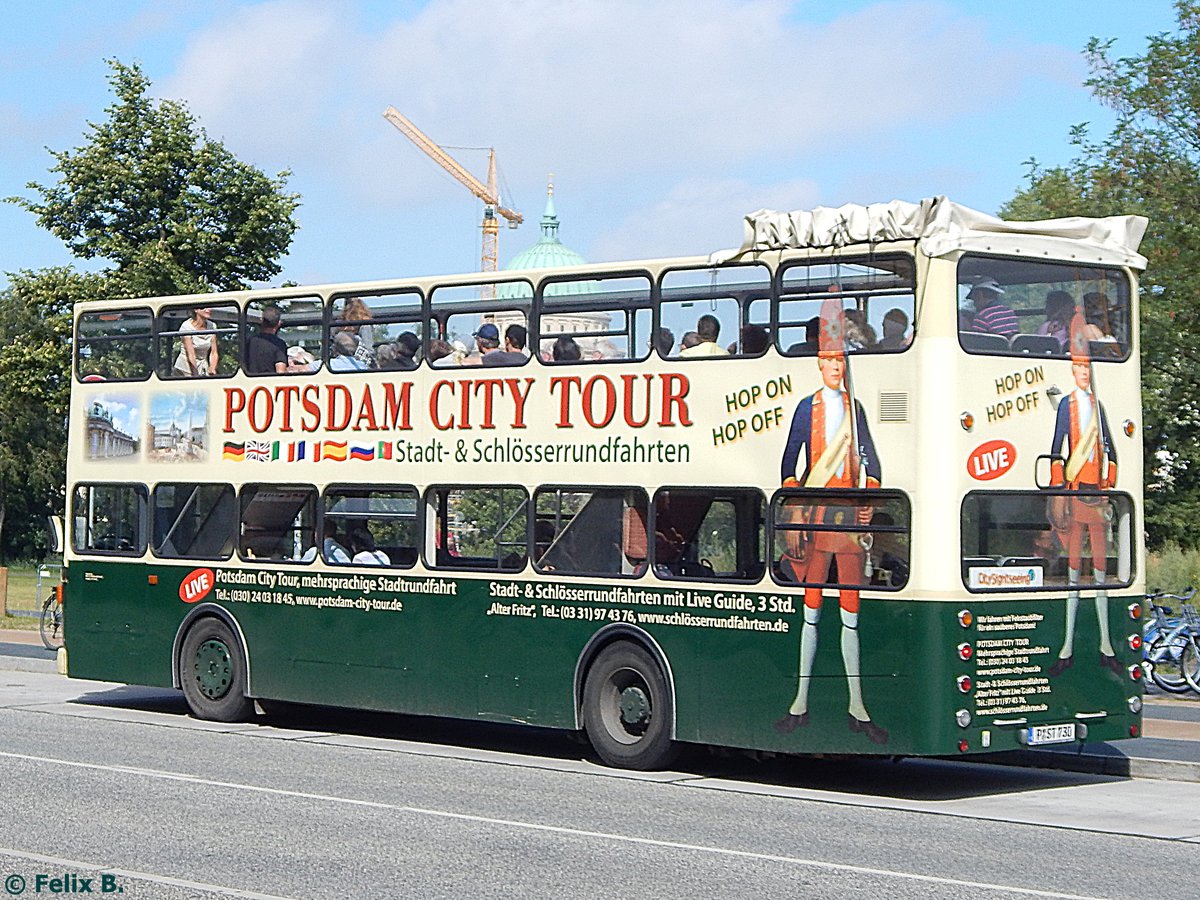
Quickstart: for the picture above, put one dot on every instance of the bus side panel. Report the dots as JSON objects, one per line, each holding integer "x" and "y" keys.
{"x": 116, "y": 629}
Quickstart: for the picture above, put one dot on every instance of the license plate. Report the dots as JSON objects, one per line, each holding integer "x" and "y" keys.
{"x": 1051, "y": 734}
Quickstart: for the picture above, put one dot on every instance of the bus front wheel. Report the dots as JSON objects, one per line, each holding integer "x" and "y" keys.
{"x": 212, "y": 671}
{"x": 628, "y": 709}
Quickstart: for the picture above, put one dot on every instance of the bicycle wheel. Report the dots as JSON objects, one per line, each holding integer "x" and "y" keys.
{"x": 50, "y": 626}
{"x": 1166, "y": 663}
{"x": 1190, "y": 662}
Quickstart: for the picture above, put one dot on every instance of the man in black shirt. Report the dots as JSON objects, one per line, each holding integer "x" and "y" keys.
{"x": 266, "y": 352}
{"x": 514, "y": 346}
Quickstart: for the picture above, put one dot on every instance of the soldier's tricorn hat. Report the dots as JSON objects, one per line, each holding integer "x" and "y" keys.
{"x": 833, "y": 329}
{"x": 1080, "y": 349}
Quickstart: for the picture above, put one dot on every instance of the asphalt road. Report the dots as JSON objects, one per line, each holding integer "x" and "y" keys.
{"x": 98, "y": 778}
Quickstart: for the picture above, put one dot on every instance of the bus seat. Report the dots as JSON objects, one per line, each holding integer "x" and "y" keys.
{"x": 633, "y": 535}
{"x": 1023, "y": 561}
{"x": 980, "y": 342}
{"x": 1037, "y": 344}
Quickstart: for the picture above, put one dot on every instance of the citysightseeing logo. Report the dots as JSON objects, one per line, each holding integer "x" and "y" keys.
{"x": 1000, "y": 577}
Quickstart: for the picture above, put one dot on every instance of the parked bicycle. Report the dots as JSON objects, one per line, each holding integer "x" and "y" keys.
{"x": 51, "y": 625}
{"x": 1171, "y": 643}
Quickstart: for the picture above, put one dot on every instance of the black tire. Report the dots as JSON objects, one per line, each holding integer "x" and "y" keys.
{"x": 50, "y": 626}
{"x": 1166, "y": 663}
{"x": 628, "y": 710}
{"x": 212, "y": 671}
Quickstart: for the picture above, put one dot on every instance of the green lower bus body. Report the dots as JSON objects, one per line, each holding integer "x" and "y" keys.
{"x": 516, "y": 650}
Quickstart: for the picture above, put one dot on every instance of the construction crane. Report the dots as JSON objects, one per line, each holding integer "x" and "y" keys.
{"x": 489, "y": 193}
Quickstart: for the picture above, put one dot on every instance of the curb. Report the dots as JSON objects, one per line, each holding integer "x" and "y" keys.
{"x": 1111, "y": 764}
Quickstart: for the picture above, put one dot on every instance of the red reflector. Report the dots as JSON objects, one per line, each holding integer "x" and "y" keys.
{"x": 1134, "y": 731}
{"x": 963, "y": 746}
{"x": 964, "y": 683}
{"x": 1135, "y": 642}
{"x": 1135, "y": 672}
{"x": 964, "y": 651}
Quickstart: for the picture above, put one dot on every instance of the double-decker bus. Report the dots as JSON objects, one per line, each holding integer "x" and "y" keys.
{"x": 869, "y": 483}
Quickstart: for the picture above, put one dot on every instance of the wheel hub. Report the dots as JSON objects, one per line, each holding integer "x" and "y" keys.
{"x": 635, "y": 706}
{"x": 214, "y": 669}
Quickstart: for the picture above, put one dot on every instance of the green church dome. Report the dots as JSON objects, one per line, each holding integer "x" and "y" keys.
{"x": 548, "y": 253}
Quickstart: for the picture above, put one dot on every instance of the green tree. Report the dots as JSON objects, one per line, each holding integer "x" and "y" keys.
{"x": 174, "y": 211}
{"x": 35, "y": 385}
{"x": 1149, "y": 164}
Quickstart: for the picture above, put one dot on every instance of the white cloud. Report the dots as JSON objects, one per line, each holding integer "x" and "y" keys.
{"x": 680, "y": 98}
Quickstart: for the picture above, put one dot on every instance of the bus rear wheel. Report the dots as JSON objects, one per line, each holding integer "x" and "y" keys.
{"x": 628, "y": 709}
{"x": 212, "y": 671}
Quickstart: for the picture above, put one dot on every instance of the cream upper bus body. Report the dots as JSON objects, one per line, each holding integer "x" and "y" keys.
{"x": 651, "y": 422}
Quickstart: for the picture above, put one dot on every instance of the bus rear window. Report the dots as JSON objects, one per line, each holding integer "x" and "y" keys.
{"x": 1047, "y": 540}
{"x": 1009, "y": 307}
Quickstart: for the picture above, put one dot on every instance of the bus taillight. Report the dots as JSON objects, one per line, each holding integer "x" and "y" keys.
{"x": 964, "y": 651}
{"x": 963, "y": 746}
{"x": 964, "y": 683}
{"x": 1135, "y": 671}
{"x": 1135, "y": 642}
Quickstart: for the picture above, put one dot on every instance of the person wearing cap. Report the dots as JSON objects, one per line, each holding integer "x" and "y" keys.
{"x": 821, "y": 434}
{"x": 1090, "y": 465}
{"x": 991, "y": 315}
{"x": 487, "y": 340}
{"x": 513, "y": 353}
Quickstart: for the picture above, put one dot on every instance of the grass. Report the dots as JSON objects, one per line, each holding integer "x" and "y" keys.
{"x": 1173, "y": 569}
{"x": 22, "y": 595}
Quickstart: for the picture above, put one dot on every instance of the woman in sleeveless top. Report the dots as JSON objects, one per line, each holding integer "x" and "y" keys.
{"x": 199, "y": 354}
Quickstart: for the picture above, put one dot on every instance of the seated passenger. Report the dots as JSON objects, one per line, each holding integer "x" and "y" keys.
{"x": 755, "y": 340}
{"x": 565, "y": 350}
{"x": 991, "y": 315}
{"x": 408, "y": 346}
{"x": 895, "y": 328}
{"x": 331, "y": 547}
{"x": 439, "y": 350}
{"x": 1060, "y": 307}
{"x": 859, "y": 334}
{"x": 365, "y": 553}
{"x": 708, "y": 329}
{"x": 812, "y": 339}
{"x": 342, "y": 358}
{"x": 513, "y": 353}
{"x": 664, "y": 341}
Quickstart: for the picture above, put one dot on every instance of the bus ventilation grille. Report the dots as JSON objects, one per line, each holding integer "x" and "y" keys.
{"x": 893, "y": 406}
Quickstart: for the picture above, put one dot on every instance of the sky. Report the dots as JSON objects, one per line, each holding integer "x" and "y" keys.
{"x": 663, "y": 123}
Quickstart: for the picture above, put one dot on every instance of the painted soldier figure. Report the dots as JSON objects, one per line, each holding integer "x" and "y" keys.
{"x": 829, "y": 432}
{"x": 1089, "y": 466}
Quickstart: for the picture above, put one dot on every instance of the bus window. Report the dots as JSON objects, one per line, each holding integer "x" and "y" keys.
{"x": 109, "y": 519}
{"x": 469, "y": 319}
{"x": 584, "y": 531}
{"x": 708, "y": 533}
{"x": 194, "y": 521}
{"x": 478, "y": 528}
{"x": 298, "y": 336}
{"x": 841, "y": 538}
{"x": 375, "y": 331}
{"x": 386, "y": 515}
{"x": 197, "y": 341}
{"x": 115, "y": 345}
{"x": 877, "y": 294}
{"x": 706, "y": 312}
{"x": 1049, "y": 539}
{"x": 1010, "y": 307}
{"x": 591, "y": 319}
{"x": 278, "y": 523}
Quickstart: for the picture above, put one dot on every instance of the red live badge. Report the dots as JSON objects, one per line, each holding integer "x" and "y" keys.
{"x": 991, "y": 460}
{"x": 196, "y": 585}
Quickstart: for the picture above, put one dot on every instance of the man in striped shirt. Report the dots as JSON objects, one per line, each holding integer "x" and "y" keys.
{"x": 992, "y": 316}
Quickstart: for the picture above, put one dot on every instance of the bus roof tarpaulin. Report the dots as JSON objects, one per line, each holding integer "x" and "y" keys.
{"x": 942, "y": 227}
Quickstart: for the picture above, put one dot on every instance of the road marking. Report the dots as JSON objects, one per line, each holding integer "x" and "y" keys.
{"x": 550, "y": 829}
{"x": 58, "y": 861}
